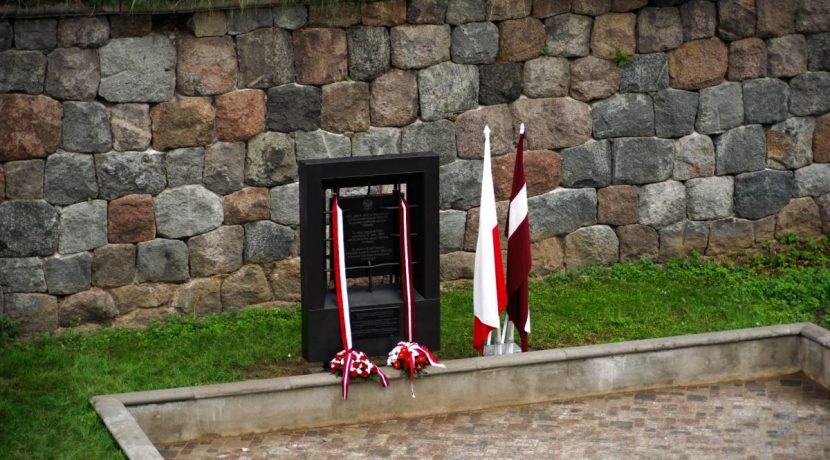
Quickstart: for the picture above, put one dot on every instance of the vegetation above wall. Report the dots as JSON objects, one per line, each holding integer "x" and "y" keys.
{"x": 26, "y": 8}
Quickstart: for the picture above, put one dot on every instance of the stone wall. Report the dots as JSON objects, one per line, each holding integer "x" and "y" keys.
{"x": 148, "y": 164}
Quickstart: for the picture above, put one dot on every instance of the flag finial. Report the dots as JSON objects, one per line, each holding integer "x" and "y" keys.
{"x": 486, "y": 130}
{"x": 522, "y": 128}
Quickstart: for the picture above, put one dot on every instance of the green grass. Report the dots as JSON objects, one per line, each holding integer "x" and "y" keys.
{"x": 45, "y": 385}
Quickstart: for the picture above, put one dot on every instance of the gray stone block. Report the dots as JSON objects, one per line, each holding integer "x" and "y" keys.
{"x": 293, "y": 107}
{"x": 546, "y": 77}
{"x": 648, "y": 73}
{"x": 224, "y": 168}
{"x": 83, "y": 32}
{"x": 460, "y": 184}
{"x": 569, "y": 35}
{"x": 6, "y": 35}
{"x": 765, "y": 100}
{"x": 321, "y": 144}
{"x": 290, "y": 17}
{"x": 83, "y": 226}
{"x": 475, "y": 43}
{"x": 266, "y": 241}
{"x": 790, "y": 143}
{"x": 437, "y": 136}
{"x": 35, "y": 34}
{"x": 812, "y": 180}
{"x": 285, "y": 204}
{"x": 699, "y": 19}
{"x": 22, "y": 71}
{"x": 68, "y": 274}
{"x": 762, "y": 193}
{"x": 786, "y": 56}
{"x": 73, "y": 74}
{"x": 641, "y": 160}
{"x": 452, "y": 225}
{"x": 376, "y": 141}
{"x": 216, "y": 252}
{"x": 92, "y": 306}
{"x": 138, "y": 69}
{"x": 663, "y": 203}
{"x": 461, "y": 11}
{"x": 162, "y": 260}
{"x": 266, "y": 58}
{"x": 658, "y": 29}
{"x": 28, "y": 228}
{"x": 594, "y": 245}
{"x": 818, "y": 51}
{"x": 24, "y": 274}
{"x": 500, "y": 83}
{"x": 561, "y": 211}
{"x": 126, "y": 173}
{"x": 419, "y": 46}
{"x": 184, "y": 166}
{"x": 740, "y": 150}
{"x": 623, "y": 115}
{"x": 694, "y": 157}
{"x": 368, "y": 52}
{"x": 680, "y": 239}
{"x": 86, "y": 127}
{"x": 709, "y": 198}
{"x": 674, "y": 112}
{"x": 587, "y": 165}
{"x": 187, "y": 210}
{"x": 113, "y": 265}
{"x": 271, "y": 160}
{"x": 810, "y": 93}
{"x": 24, "y": 180}
{"x": 248, "y": 19}
{"x": 447, "y": 88}
{"x": 721, "y": 108}
{"x": 728, "y": 234}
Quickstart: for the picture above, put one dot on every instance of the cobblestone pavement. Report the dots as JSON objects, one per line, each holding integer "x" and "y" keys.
{"x": 782, "y": 418}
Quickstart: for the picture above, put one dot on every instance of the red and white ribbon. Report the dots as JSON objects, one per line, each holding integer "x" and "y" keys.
{"x": 407, "y": 289}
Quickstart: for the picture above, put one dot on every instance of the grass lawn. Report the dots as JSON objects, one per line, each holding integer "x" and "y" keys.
{"x": 45, "y": 385}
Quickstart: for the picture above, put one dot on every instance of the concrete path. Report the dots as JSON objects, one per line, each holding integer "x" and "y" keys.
{"x": 782, "y": 418}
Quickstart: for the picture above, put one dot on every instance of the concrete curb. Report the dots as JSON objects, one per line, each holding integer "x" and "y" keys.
{"x": 467, "y": 384}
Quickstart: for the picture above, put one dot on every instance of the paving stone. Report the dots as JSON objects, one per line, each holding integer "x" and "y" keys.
{"x": 385, "y": 13}
{"x": 814, "y": 17}
{"x": 618, "y": 205}
{"x": 86, "y": 127}
{"x": 294, "y": 107}
{"x": 475, "y": 43}
{"x": 394, "y": 99}
{"x": 247, "y": 19}
{"x": 24, "y": 180}
{"x": 199, "y": 297}
{"x": 417, "y": 47}
{"x": 28, "y": 228}
{"x": 800, "y": 217}
{"x": 765, "y": 100}
{"x": 185, "y": 122}
{"x": 611, "y": 32}
{"x": 810, "y": 94}
{"x": 206, "y": 66}
{"x": 184, "y": 166}
{"x": 729, "y": 234}
{"x": 590, "y": 7}
{"x": 647, "y": 73}
{"x": 460, "y": 184}
{"x": 83, "y": 32}
{"x": 637, "y": 242}
{"x": 457, "y": 265}
{"x": 113, "y": 265}
{"x": 762, "y": 193}
{"x": 23, "y": 274}
{"x": 543, "y": 172}
{"x": 437, "y": 136}
{"x": 130, "y": 125}
{"x": 699, "y": 19}
{"x": 698, "y": 64}
{"x": 92, "y": 306}
{"x": 553, "y": 123}
{"x": 709, "y": 198}
{"x": 187, "y": 210}
{"x": 247, "y": 205}
{"x": 369, "y": 51}
{"x": 594, "y": 78}
{"x": 736, "y": 19}
{"x": 680, "y": 239}
{"x": 215, "y": 252}
{"x": 500, "y": 83}
{"x": 35, "y": 34}
{"x": 546, "y": 77}
{"x": 138, "y": 69}
{"x": 124, "y": 173}
{"x": 463, "y": 11}
{"x": 747, "y": 59}
{"x": 786, "y": 56}
{"x": 595, "y": 245}
{"x": 721, "y": 108}
{"x": 447, "y": 88}
{"x": 674, "y": 112}
{"x": 561, "y": 211}
{"x": 224, "y": 165}
{"x": 32, "y": 126}
{"x": 812, "y": 180}
{"x": 694, "y": 157}
{"x": 818, "y": 51}
{"x": 341, "y": 14}
{"x": 83, "y": 227}
{"x": 285, "y": 204}
{"x": 775, "y": 17}
{"x": 68, "y": 274}
{"x": 469, "y": 128}
{"x": 623, "y": 115}
{"x": 663, "y": 203}
{"x": 133, "y": 25}
{"x": 162, "y": 260}
{"x": 131, "y": 219}
{"x": 266, "y": 241}
{"x": 521, "y": 39}
{"x": 23, "y": 71}
{"x": 451, "y": 224}
{"x": 345, "y": 107}
{"x": 72, "y": 73}
{"x": 211, "y": 23}
{"x": 245, "y": 287}
{"x": 587, "y": 165}
{"x": 740, "y": 150}
{"x": 145, "y": 296}
{"x": 321, "y": 144}
{"x": 658, "y": 29}
{"x": 265, "y": 58}
{"x": 789, "y": 143}
{"x": 320, "y": 56}
{"x": 376, "y": 141}
{"x": 568, "y": 35}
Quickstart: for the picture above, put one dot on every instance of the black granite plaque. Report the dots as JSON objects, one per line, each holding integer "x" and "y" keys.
{"x": 370, "y": 234}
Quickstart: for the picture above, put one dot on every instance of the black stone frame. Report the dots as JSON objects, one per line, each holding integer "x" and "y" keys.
{"x": 320, "y": 323}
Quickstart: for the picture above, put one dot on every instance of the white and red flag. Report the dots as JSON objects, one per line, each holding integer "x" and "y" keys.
{"x": 489, "y": 295}
{"x": 518, "y": 247}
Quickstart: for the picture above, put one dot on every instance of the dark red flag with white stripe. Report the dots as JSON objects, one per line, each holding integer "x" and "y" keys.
{"x": 518, "y": 248}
